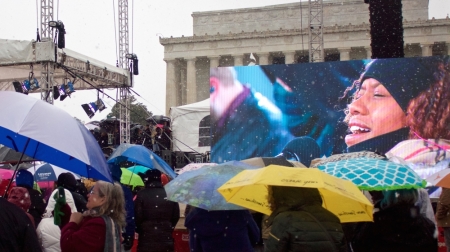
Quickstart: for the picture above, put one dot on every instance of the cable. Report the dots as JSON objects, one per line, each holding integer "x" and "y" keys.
{"x": 57, "y": 12}
{"x": 301, "y": 24}
{"x": 115, "y": 34}
{"x": 132, "y": 26}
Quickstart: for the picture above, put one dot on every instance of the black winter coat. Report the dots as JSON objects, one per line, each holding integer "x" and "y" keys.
{"x": 16, "y": 230}
{"x": 397, "y": 228}
{"x": 38, "y": 205}
{"x": 155, "y": 219}
{"x": 295, "y": 226}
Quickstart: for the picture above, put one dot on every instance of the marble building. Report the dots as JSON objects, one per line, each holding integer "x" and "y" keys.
{"x": 278, "y": 34}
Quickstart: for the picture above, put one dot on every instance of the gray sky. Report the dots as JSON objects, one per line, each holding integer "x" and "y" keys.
{"x": 90, "y": 30}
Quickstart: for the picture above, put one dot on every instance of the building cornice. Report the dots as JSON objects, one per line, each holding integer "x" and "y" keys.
{"x": 295, "y": 32}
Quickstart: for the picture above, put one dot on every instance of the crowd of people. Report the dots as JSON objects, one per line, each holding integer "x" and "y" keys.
{"x": 87, "y": 215}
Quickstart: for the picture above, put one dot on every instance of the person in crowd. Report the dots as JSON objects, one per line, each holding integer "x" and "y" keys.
{"x": 25, "y": 179}
{"x": 116, "y": 137}
{"x": 128, "y": 234}
{"x": 155, "y": 216}
{"x": 16, "y": 229}
{"x": 88, "y": 183}
{"x": 397, "y": 226}
{"x": 67, "y": 180}
{"x": 57, "y": 214}
{"x": 99, "y": 228}
{"x": 20, "y": 197}
{"x": 234, "y": 105}
{"x": 221, "y": 230}
{"x": 299, "y": 222}
{"x": 443, "y": 215}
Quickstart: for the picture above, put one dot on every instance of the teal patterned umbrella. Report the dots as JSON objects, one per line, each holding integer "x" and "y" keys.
{"x": 374, "y": 174}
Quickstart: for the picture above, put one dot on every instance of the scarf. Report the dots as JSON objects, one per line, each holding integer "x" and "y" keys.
{"x": 113, "y": 234}
{"x": 60, "y": 199}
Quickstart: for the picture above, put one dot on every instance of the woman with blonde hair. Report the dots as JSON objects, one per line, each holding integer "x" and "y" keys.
{"x": 100, "y": 227}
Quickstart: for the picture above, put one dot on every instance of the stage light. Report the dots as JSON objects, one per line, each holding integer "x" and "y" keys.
{"x": 92, "y": 107}
{"x": 66, "y": 90}
{"x": 100, "y": 105}
{"x": 31, "y": 84}
{"x": 134, "y": 66}
{"x": 19, "y": 87}
{"x": 55, "y": 92}
{"x": 61, "y": 31}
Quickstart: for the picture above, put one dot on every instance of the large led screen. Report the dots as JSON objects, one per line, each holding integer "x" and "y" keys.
{"x": 326, "y": 108}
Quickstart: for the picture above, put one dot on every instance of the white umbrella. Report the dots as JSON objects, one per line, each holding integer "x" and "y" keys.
{"x": 45, "y": 132}
{"x": 91, "y": 126}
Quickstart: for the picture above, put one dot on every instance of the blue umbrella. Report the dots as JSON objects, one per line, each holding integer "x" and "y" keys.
{"x": 138, "y": 169}
{"x": 48, "y": 172}
{"x": 45, "y": 132}
{"x": 140, "y": 155}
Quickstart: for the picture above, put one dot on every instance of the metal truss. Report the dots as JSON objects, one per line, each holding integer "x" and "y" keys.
{"x": 98, "y": 76}
{"x": 124, "y": 111}
{"x": 123, "y": 63}
{"x": 123, "y": 33}
{"x": 315, "y": 21}
{"x": 46, "y": 16}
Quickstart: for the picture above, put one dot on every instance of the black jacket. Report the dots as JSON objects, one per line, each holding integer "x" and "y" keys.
{"x": 38, "y": 205}
{"x": 16, "y": 230}
{"x": 397, "y": 228}
{"x": 155, "y": 219}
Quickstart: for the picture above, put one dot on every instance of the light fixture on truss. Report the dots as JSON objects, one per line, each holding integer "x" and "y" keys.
{"x": 92, "y": 107}
{"x": 63, "y": 90}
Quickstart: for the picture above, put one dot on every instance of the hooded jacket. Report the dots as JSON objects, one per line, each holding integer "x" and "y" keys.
{"x": 48, "y": 233}
{"x": 294, "y": 223}
{"x": 155, "y": 216}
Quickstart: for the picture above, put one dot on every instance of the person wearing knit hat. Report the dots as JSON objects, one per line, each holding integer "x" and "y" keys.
{"x": 25, "y": 179}
{"x": 377, "y": 115}
{"x": 20, "y": 197}
{"x": 68, "y": 181}
{"x": 155, "y": 216}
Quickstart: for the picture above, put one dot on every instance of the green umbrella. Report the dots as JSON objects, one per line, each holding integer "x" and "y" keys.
{"x": 129, "y": 178}
{"x": 138, "y": 168}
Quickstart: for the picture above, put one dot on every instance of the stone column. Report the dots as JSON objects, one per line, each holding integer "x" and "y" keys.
{"x": 368, "y": 52}
{"x": 263, "y": 58}
{"x": 344, "y": 53}
{"x": 171, "y": 87}
{"x": 289, "y": 57}
{"x": 191, "y": 79}
{"x": 213, "y": 61}
{"x": 238, "y": 59}
{"x": 427, "y": 49}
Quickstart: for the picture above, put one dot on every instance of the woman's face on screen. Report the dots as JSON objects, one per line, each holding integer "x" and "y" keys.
{"x": 373, "y": 112}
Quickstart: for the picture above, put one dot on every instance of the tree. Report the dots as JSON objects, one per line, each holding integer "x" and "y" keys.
{"x": 138, "y": 111}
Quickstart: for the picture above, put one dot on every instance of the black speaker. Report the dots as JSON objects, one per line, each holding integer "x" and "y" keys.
{"x": 196, "y": 158}
{"x": 180, "y": 159}
{"x": 166, "y": 155}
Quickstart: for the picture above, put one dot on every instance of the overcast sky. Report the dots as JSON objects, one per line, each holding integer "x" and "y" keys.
{"x": 91, "y": 29}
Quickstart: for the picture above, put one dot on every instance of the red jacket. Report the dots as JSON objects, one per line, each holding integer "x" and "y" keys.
{"x": 88, "y": 236}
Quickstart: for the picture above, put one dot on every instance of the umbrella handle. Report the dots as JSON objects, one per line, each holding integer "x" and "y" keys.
{"x": 134, "y": 167}
{"x": 17, "y": 167}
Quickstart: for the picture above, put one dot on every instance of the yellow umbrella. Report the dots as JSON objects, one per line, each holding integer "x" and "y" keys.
{"x": 249, "y": 189}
